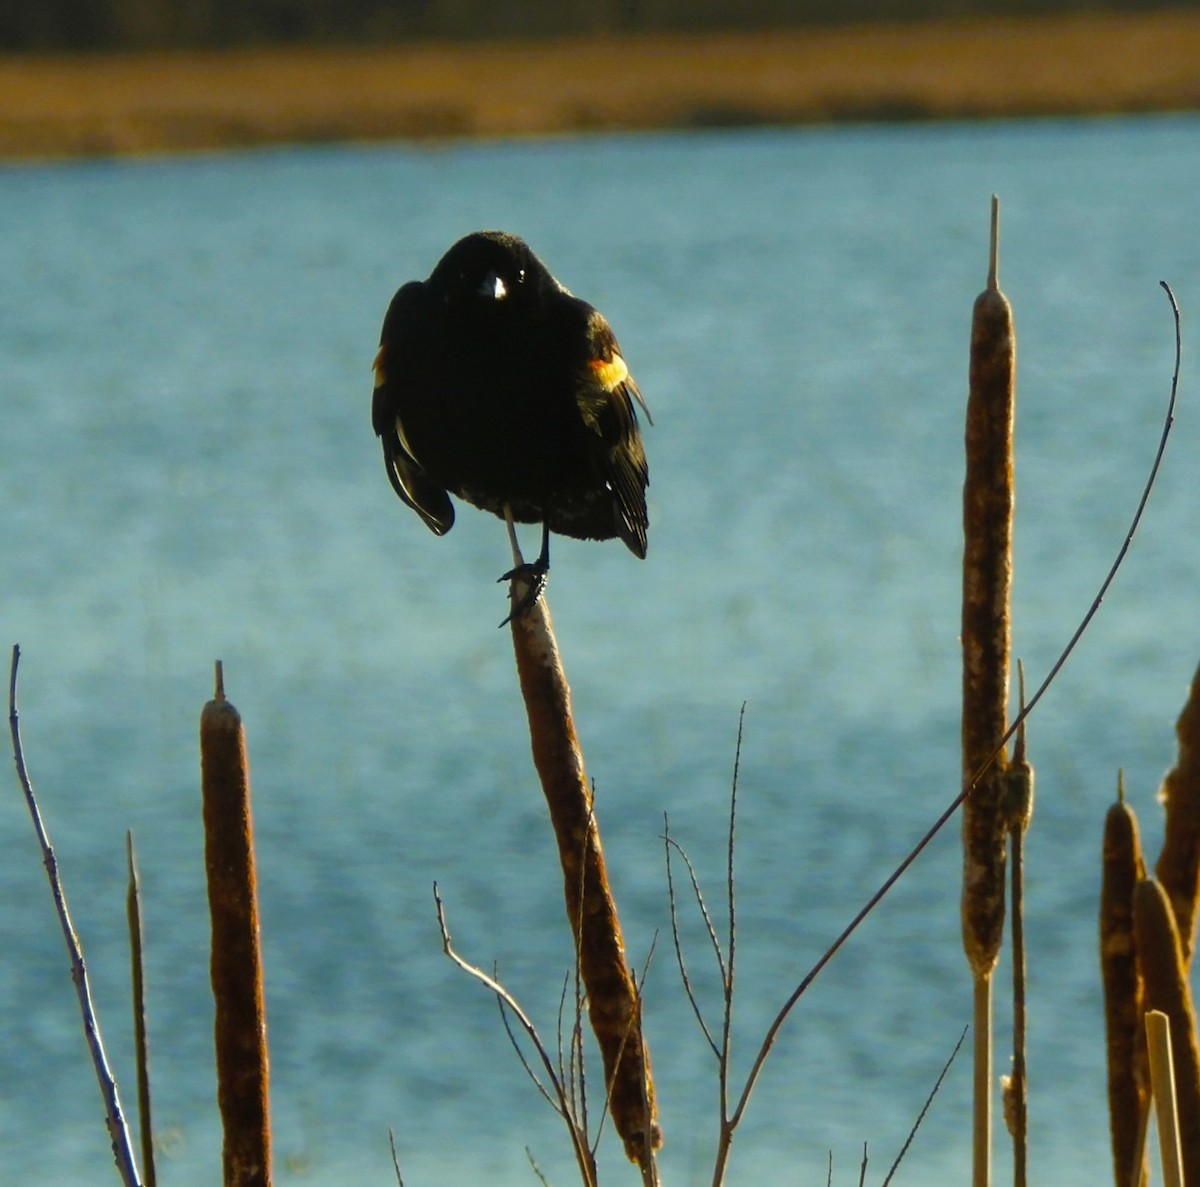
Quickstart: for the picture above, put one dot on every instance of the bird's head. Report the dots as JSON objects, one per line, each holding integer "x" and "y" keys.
{"x": 490, "y": 273}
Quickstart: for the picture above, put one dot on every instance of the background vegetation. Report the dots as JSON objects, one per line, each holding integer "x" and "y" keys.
{"x": 71, "y": 25}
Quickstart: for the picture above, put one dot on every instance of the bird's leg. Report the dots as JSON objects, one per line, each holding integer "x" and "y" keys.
{"x": 533, "y": 573}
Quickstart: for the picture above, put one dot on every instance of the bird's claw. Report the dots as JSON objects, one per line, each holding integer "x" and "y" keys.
{"x": 534, "y": 575}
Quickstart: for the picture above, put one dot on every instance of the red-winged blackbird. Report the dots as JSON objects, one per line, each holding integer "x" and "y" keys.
{"x": 495, "y": 384}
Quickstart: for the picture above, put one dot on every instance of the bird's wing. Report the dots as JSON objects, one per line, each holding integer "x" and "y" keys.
{"x": 402, "y": 332}
{"x": 606, "y": 399}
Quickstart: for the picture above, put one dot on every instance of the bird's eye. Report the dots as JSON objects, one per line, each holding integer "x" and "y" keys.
{"x": 521, "y": 276}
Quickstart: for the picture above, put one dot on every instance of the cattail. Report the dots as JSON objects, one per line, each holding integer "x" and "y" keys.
{"x": 1128, "y": 1078}
{"x": 236, "y": 966}
{"x": 1165, "y": 977}
{"x": 614, "y": 1004}
{"x": 986, "y": 631}
{"x": 1178, "y": 867}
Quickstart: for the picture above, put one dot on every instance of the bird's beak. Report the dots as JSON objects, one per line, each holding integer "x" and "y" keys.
{"x": 493, "y": 287}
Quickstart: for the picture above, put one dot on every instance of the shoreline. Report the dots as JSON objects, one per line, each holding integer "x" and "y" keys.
{"x": 112, "y": 105}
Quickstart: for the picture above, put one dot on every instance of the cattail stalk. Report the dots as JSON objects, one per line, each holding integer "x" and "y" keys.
{"x": 614, "y": 1003}
{"x": 1161, "y": 961}
{"x": 141, "y": 1044}
{"x": 986, "y": 632}
{"x": 1020, "y": 777}
{"x": 1128, "y": 1082}
{"x": 1178, "y": 867}
{"x": 236, "y": 965}
{"x": 1162, "y": 1072}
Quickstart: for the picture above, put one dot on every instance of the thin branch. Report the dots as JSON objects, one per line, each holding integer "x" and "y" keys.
{"x": 731, "y": 938}
{"x": 732, "y": 903}
{"x": 912, "y": 1133}
{"x": 668, "y": 845}
{"x": 543, "y": 1091}
{"x": 579, "y": 1143}
{"x": 118, "y": 1131}
{"x": 537, "y": 1170}
{"x": 395, "y": 1157}
{"x": 699, "y": 897}
{"x": 566, "y": 1065}
{"x": 578, "y": 1062}
{"x": 648, "y": 1168}
{"x": 496, "y": 987}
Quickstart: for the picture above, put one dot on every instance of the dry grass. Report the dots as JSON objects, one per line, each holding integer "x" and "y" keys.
{"x": 1037, "y": 66}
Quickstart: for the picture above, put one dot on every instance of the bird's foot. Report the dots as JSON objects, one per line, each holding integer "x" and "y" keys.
{"x": 533, "y": 575}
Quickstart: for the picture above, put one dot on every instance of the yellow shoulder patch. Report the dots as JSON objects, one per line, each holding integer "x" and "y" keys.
{"x": 377, "y": 367}
{"x": 609, "y": 373}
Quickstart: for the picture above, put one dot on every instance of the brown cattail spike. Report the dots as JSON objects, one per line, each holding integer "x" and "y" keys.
{"x": 1178, "y": 867}
{"x": 614, "y": 1005}
{"x": 1161, "y": 963}
{"x": 986, "y": 629}
{"x": 1128, "y": 1075}
{"x": 236, "y": 964}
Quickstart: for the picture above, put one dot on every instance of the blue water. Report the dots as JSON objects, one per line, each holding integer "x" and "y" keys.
{"x": 189, "y": 474}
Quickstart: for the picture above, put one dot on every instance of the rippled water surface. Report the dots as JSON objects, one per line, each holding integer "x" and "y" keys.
{"x": 189, "y": 474}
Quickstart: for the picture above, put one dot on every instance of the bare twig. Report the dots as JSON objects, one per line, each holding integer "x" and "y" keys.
{"x": 912, "y": 1133}
{"x": 578, "y": 1064}
{"x": 579, "y": 1142}
{"x": 728, "y": 1124}
{"x": 578, "y": 1082}
{"x": 668, "y": 844}
{"x": 543, "y": 1091}
{"x": 731, "y": 935}
{"x": 566, "y": 1064}
{"x": 395, "y": 1157}
{"x": 133, "y": 910}
{"x": 537, "y": 1170}
{"x": 114, "y": 1117}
